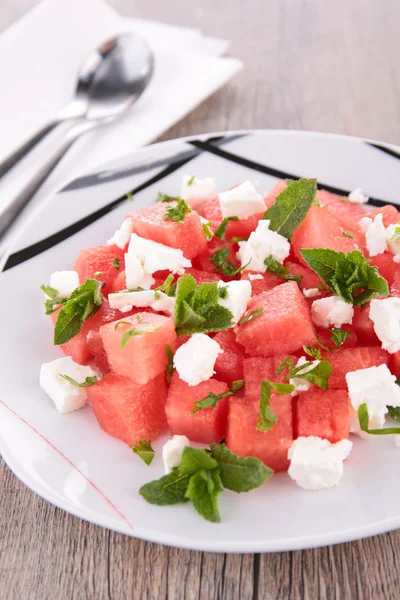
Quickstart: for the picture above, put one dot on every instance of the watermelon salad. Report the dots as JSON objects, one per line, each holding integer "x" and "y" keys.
{"x": 259, "y": 332}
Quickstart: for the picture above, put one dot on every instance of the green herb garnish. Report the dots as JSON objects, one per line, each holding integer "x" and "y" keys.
{"x": 144, "y": 451}
{"x": 165, "y": 198}
{"x": 238, "y": 473}
{"x": 130, "y": 197}
{"x": 168, "y": 287}
{"x": 127, "y": 335}
{"x": 339, "y": 336}
{"x": 223, "y": 265}
{"x": 347, "y": 234}
{"x": 53, "y": 301}
{"x": 363, "y": 417}
{"x": 212, "y": 399}
{"x": 396, "y": 235}
{"x": 87, "y": 383}
{"x": 116, "y": 262}
{"x": 267, "y": 417}
{"x": 273, "y": 266}
{"x": 178, "y": 212}
{"x": 191, "y": 180}
{"x": 170, "y": 362}
{"x": 313, "y": 352}
{"x": 318, "y": 375}
{"x": 253, "y": 315}
{"x": 220, "y": 232}
{"x": 208, "y": 234}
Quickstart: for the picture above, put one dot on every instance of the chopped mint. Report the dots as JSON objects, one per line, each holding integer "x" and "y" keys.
{"x": 170, "y": 362}
{"x": 223, "y": 291}
{"x": 235, "y": 240}
{"x": 135, "y": 331}
{"x": 130, "y": 197}
{"x": 339, "y": 336}
{"x": 253, "y": 315}
{"x": 197, "y": 309}
{"x": 88, "y": 381}
{"x": 396, "y": 235}
{"x": 347, "y": 275}
{"x": 314, "y": 352}
{"x": 237, "y": 385}
{"x": 177, "y": 212}
{"x": 208, "y": 234}
{"x": 212, "y": 399}
{"x": 223, "y": 265}
{"x": 273, "y": 266}
{"x": 98, "y": 274}
{"x": 53, "y": 301}
{"x": 165, "y": 198}
{"x": 144, "y": 451}
{"x": 238, "y": 473}
{"x": 168, "y": 287}
{"x": 191, "y": 180}
{"x": 394, "y": 412}
{"x": 347, "y": 234}
{"x": 318, "y": 375}
{"x": 83, "y": 303}
{"x": 291, "y": 206}
{"x": 363, "y": 417}
{"x": 115, "y": 263}
{"x": 267, "y": 417}
{"x": 220, "y": 232}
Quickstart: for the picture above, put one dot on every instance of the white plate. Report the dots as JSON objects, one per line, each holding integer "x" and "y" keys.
{"x": 67, "y": 460}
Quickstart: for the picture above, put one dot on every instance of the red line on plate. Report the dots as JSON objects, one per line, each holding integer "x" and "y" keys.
{"x": 94, "y": 486}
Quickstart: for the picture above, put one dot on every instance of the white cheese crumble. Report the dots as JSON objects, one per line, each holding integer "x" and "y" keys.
{"x": 195, "y": 360}
{"x": 331, "y": 311}
{"x": 159, "y": 301}
{"x": 65, "y": 282}
{"x": 375, "y": 234}
{"x": 66, "y": 396}
{"x": 255, "y": 276}
{"x": 172, "y": 452}
{"x": 194, "y": 188}
{"x": 242, "y": 201}
{"x": 357, "y": 196}
{"x": 385, "y": 315}
{"x": 302, "y": 385}
{"x": 394, "y": 247}
{"x": 315, "y": 463}
{"x": 311, "y": 292}
{"x": 153, "y": 257}
{"x": 135, "y": 277}
{"x": 237, "y": 298}
{"x": 263, "y": 242}
{"x": 122, "y": 236}
{"x": 376, "y": 387}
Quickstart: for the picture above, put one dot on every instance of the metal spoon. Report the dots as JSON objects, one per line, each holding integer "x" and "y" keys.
{"x": 111, "y": 79}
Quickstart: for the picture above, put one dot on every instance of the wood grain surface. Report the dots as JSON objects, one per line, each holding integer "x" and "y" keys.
{"x": 309, "y": 64}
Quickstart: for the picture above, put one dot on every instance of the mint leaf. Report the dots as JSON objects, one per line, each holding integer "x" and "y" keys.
{"x": 49, "y": 291}
{"x": 83, "y": 303}
{"x": 235, "y": 240}
{"x": 197, "y": 309}
{"x": 53, "y": 302}
{"x": 237, "y": 385}
{"x": 291, "y": 206}
{"x": 170, "y": 489}
{"x": 396, "y": 235}
{"x": 273, "y": 266}
{"x": 238, "y": 473}
{"x": 168, "y": 286}
{"x": 170, "y": 364}
{"x": 347, "y": 234}
{"x": 285, "y": 363}
{"x": 115, "y": 263}
{"x": 98, "y": 274}
{"x": 127, "y": 335}
{"x": 165, "y": 198}
{"x": 348, "y": 275}
{"x": 394, "y": 412}
{"x": 191, "y": 180}
{"x": 339, "y": 336}
{"x": 314, "y": 352}
{"x": 212, "y": 399}
{"x": 223, "y": 265}
{"x": 130, "y": 197}
{"x": 267, "y": 417}
{"x": 203, "y": 490}
{"x": 178, "y": 212}
{"x": 220, "y": 232}
{"x": 88, "y": 381}
{"x": 363, "y": 417}
{"x": 318, "y": 375}
{"x": 208, "y": 234}
{"x": 194, "y": 459}
{"x": 144, "y": 451}
{"x": 223, "y": 291}
{"x": 253, "y": 315}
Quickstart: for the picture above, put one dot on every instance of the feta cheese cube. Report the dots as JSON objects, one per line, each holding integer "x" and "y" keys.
{"x": 65, "y": 395}
{"x": 315, "y": 463}
{"x": 195, "y": 190}
{"x": 135, "y": 277}
{"x": 238, "y": 294}
{"x": 375, "y": 234}
{"x": 242, "y": 201}
{"x": 394, "y": 247}
{"x": 65, "y": 282}
{"x": 263, "y": 242}
{"x": 195, "y": 360}
{"x": 122, "y": 236}
{"x": 157, "y": 257}
{"x": 302, "y": 385}
{"x": 331, "y": 311}
{"x": 385, "y": 315}
{"x": 376, "y": 387}
{"x": 357, "y": 196}
{"x": 172, "y": 452}
{"x": 311, "y": 292}
{"x": 125, "y": 301}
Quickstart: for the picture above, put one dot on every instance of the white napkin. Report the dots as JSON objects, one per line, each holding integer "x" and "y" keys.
{"x": 41, "y": 54}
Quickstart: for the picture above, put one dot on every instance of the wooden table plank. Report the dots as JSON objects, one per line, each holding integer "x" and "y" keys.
{"x": 324, "y": 66}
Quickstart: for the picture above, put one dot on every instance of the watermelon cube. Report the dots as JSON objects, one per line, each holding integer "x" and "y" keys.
{"x": 390, "y": 214}
{"x": 257, "y": 368}
{"x": 229, "y": 365}
{"x": 187, "y": 236}
{"x": 352, "y": 359}
{"x": 386, "y": 266}
{"x": 240, "y": 228}
{"x": 99, "y": 260}
{"x": 364, "y": 327}
{"x": 144, "y": 356}
{"x": 394, "y": 363}
{"x": 261, "y": 282}
{"x": 203, "y": 262}
{"x": 119, "y": 282}
{"x": 270, "y": 446}
{"x": 309, "y": 279}
{"x": 284, "y": 325}
{"x": 203, "y": 276}
{"x": 339, "y": 205}
{"x": 127, "y": 410}
{"x": 207, "y": 425}
{"x": 323, "y": 413}
{"x": 395, "y": 287}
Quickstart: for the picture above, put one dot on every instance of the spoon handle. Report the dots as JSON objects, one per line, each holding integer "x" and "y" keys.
{"x": 22, "y": 181}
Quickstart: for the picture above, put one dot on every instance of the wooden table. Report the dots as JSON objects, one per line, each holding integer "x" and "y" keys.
{"x": 326, "y": 66}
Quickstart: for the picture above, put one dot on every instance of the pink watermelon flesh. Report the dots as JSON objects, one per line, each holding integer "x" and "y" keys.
{"x": 309, "y": 279}
{"x": 129, "y": 411}
{"x": 99, "y": 260}
{"x": 266, "y": 283}
{"x": 144, "y": 356}
{"x": 339, "y": 206}
{"x": 229, "y": 365}
{"x": 391, "y": 216}
{"x": 394, "y": 363}
{"x": 202, "y": 276}
{"x": 284, "y": 325}
{"x": 323, "y": 413}
{"x": 207, "y": 425}
{"x": 240, "y": 228}
{"x": 351, "y": 359}
{"x": 395, "y": 287}
{"x": 271, "y": 446}
{"x": 203, "y": 262}
{"x": 325, "y": 338}
{"x": 256, "y": 369}
{"x": 364, "y": 327}
{"x": 188, "y": 236}
{"x": 270, "y": 198}
{"x": 386, "y": 266}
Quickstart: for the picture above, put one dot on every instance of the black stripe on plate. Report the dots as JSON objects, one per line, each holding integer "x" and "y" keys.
{"x": 385, "y": 149}
{"x": 255, "y": 166}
